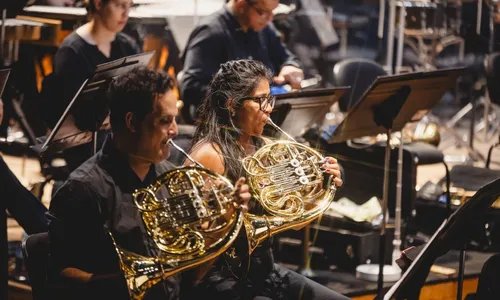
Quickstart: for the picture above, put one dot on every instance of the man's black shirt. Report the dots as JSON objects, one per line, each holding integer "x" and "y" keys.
{"x": 218, "y": 39}
{"x": 98, "y": 192}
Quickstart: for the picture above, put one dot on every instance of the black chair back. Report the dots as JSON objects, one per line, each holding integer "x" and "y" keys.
{"x": 359, "y": 74}
{"x": 492, "y": 70}
{"x": 36, "y": 254}
{"x": 489, "y": 280}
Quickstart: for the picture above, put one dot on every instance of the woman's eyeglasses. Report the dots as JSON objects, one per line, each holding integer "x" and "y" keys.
{"x": 260, "y": 12}
{"x": 264, "y": 101}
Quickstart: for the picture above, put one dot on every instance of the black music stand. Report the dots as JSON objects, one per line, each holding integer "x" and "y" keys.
{"x": 452, "y": 232}
{"x": 87, "y": 111}
{"x": 298, "y": 111}
{"x": 4, "y": 257}
{"x": 390, "y": 103}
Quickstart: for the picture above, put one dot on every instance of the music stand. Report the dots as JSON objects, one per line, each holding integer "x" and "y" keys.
{"x": 71, "y": 131}
{"x": 446, "y": 237}
{"x": 298, "y": 111}
{"x": 4, "y": 257}
{"x": 390, "y": 103}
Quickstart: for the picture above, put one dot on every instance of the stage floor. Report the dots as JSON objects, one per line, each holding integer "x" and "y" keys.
{"x": 436, "y": 286}
{"x": 347, "y": 283}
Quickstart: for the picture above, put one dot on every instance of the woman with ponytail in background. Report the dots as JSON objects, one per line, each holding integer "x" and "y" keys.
{"x": 96, "y": 42}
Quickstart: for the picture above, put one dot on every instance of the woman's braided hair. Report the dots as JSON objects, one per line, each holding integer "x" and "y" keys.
{"x": 235, "y": 80}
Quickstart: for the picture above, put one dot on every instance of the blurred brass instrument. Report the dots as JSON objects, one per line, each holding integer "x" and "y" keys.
{"x": 459, "y": 196}
{"x": 189, "y": 214}
{"x": 424, "y": 131}
{"x": 286, "y": 178}
{"x": 427, "y": 132}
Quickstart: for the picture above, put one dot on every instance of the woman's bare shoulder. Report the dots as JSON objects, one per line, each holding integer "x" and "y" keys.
{"x": 209, "y": 155}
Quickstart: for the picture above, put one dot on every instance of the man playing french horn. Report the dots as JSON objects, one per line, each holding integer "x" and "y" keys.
{"x": 98, "y": 197}
{"x": 232, "y": 118}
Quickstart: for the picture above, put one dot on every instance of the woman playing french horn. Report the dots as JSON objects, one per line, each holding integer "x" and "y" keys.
{"x": 232, "y": 119}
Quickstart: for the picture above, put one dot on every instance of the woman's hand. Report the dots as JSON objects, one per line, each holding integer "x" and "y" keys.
{"x": 242, "y": 194}
{"x": 332, "y": 167}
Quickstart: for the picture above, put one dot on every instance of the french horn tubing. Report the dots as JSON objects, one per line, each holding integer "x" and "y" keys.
{"x": 190, "y": 216}
{"x": 286, "y": 178}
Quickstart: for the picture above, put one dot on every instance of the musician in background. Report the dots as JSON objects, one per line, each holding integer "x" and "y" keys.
{"x": 99, "y": 193}
{"x": 242, "y": 29}
{"x": 96, "y": 42}
{"x": 232, "y": 119}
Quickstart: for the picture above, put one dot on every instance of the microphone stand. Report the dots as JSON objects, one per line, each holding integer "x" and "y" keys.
{"x": 479, "y": 16}
{"x": 390, "y": 37}
{"x": 196, "y": 17}
{"x": 2, "y": 33}
{"x": 381, "y": 19}
{"x": 396, "y": 253}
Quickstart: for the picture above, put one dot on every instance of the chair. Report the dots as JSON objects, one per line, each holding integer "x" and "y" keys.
{"x": 359, "y": 74}
{"x": 489, "y": 280}
{"x": 35, "y": 252}
{"x": 492, "y": 70}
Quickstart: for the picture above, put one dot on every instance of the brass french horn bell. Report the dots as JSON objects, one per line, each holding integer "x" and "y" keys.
{"x": 427, "y": 132}
{"x": 286, "y": 178}
{"x": 190, "y": 216}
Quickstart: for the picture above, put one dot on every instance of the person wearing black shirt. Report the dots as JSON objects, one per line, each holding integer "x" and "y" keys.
{"x": 242, "y": 29}
{"x": 232, "y": 119}
{"x": 143, "y": 110}
{"x": 96, "y": 42}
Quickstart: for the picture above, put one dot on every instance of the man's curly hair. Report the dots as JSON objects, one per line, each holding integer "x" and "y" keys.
{"x": 136, "y": 92}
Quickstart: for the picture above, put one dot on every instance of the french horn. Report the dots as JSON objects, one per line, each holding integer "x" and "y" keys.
{"x": 190, "y": 216}
{"x": 286, "y": 178}
{"x": 426, "y": 132}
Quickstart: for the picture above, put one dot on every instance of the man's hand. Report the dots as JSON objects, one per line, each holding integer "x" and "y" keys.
{"x": 332, "y": 167}
{"x": 242, "y": 194}
{"x": 291, "y": 75}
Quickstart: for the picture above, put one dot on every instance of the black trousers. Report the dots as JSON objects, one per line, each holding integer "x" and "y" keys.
{"x": 280, "y": 284}
{"x": 22, "y": 205}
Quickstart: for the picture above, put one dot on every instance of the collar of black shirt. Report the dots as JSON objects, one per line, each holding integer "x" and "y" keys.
{"x": 116, "y": 163}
